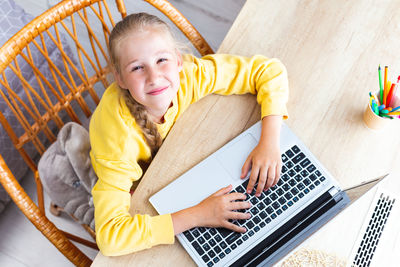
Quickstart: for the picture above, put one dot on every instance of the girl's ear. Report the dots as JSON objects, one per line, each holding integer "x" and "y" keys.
{"x": 118, "y": 79}
{"x": 179, "y": 60}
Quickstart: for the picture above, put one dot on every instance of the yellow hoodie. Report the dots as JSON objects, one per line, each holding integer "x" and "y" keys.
{"x": 118, "y": 143}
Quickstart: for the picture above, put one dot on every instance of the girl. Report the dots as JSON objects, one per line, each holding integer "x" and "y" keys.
{"x": 154, "y": 85}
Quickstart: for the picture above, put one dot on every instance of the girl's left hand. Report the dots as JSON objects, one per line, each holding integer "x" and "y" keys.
{"x": 265, "y": 163}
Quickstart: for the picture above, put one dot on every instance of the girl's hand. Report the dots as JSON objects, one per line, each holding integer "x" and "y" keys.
{"x": 265, "y": 163}
{"x": 220, "y": 207}
{"x": 265, "y": 160}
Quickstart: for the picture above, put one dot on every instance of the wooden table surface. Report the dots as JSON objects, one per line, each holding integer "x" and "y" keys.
{"x": 332, "y": 50}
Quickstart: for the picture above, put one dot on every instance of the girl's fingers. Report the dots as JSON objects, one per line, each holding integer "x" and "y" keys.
{"x": 246, "y": 167}
{"x": 271, "y": 176}
{"x": 274, "y": 181}
{"x": 223, "y": 191}
{"x": 252, "y": 179}
{"x": 262, "y": 180}
{"x": 240, "y": 205}
{"x": 235, "y": 196}
{"x": 278, "y": 173}
{"x": 234, "y": 227}
{"x": 235, "y": 215}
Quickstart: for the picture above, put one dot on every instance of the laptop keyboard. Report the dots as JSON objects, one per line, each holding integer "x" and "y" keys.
{"x": 374, "y": 230}
{"x": 298, "y": 177}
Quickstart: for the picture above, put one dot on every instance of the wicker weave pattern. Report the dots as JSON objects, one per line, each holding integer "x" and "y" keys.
{"x": 61, "y": 92}
{"x": 183, "y": 24}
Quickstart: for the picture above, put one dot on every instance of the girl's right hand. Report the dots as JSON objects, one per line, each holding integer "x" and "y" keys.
{"x": 217, "y": 209}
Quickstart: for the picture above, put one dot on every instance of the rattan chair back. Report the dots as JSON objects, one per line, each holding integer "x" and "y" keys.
{"x": 65, "y": 88}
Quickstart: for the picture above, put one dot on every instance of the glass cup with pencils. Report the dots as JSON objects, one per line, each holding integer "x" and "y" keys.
{"x": 384, "y": 106}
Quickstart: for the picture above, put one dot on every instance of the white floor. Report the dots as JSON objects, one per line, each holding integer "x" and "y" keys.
{"x": 21, "y": 244}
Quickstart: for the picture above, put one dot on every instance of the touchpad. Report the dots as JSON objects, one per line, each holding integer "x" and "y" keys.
{"x": 233, "y": 156}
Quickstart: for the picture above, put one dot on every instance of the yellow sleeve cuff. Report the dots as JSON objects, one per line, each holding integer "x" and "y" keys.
{"x": 274, "y": 108}
{"x": 162, "y": 229}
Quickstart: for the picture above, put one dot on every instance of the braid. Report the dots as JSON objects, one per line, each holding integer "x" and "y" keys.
{"x": 149, "y": 128}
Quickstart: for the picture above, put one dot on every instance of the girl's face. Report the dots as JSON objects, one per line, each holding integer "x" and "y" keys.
{"x": 149, "y": 69}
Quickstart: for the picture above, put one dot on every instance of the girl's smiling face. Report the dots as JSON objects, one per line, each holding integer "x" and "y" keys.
{"x": 149, "y": 67}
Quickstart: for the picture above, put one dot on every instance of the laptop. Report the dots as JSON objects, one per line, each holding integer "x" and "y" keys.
{"x": 378, "y": 239}
{"x": 304, "y": 199}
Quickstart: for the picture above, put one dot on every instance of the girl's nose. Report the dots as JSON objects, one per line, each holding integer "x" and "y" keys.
{"x": 152, "y": 75}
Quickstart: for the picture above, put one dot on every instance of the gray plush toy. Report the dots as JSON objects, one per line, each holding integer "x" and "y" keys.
{"x": 67, "y": 173}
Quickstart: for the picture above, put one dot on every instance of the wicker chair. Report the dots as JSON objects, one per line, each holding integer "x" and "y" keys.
{"x": 48, "y": 104}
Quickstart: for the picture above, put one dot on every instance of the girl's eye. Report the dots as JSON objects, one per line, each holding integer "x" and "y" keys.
{"x": 162, "y": 60}
{"x": 136, "y": 68}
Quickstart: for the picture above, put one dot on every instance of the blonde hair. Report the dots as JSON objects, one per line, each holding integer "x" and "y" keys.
{"x": 138, "y": 22}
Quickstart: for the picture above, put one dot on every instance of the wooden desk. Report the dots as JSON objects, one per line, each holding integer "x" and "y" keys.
{"x": 332, "y": 50}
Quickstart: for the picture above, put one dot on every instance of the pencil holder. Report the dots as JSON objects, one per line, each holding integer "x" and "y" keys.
{"x": 374, "y": 121}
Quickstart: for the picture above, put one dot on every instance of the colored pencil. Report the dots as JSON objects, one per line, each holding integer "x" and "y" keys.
{"x": 380, "y": 85}
{"x": 376, "y": 99}
{"x": 376, "y": 110}
{"x": 385, "y": 85}
{"x": 390, "y": 95}
{"x": 386, "y": 116}
{"x": 383, "y": 111}
{"x": 394, "y": 92}
{"x": 386, "y": 93}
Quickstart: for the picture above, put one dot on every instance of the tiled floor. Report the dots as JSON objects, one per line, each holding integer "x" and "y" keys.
{"x": 21, "y": 244}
